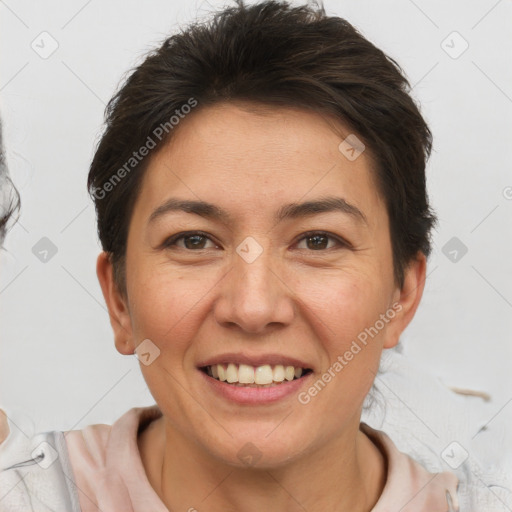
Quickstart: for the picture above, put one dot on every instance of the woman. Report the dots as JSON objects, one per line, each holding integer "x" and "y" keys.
{"x": 261, "y": 202}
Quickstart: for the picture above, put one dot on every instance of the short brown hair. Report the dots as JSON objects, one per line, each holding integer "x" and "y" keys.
{"x": 276, "y": 55}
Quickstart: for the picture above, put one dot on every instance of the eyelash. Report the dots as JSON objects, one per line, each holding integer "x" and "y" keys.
{"x": 169, "y": 242}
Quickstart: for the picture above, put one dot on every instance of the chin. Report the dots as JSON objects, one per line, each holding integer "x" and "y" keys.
{"x": 259, "y": 450}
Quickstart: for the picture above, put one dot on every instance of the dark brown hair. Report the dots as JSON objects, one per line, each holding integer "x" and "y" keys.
{"x": 276, "y": 55}
{"x": 9, "y": 197}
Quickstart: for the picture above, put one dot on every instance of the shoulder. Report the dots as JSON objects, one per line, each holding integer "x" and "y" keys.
{"x": 44, "y": 471}
{"x": 409, "y": 486}
{"x": 443, "y": 432}
{"x": 92, "y": 448}
{"x": 35, "y": 473}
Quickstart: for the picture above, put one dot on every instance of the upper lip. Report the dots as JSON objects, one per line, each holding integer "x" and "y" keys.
{"x": 254, "y": 360}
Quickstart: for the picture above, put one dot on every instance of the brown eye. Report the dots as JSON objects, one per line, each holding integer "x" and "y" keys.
{"x": 191, "y": 241}
{"x": 319, "y": 241}
{"x": 194, "y": 241}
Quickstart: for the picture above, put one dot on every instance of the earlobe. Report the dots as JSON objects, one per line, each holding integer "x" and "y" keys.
{"x": 408, "y": 299}
{"x": 116, "y": 304}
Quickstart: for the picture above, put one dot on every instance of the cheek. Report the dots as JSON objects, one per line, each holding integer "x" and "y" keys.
{"x": 344, "y": 310}
{"x": 345, "y": 302}
{"x": 165, "y": 305}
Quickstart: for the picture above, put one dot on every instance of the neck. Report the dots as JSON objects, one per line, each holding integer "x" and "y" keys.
{"x": 341, "y": 475}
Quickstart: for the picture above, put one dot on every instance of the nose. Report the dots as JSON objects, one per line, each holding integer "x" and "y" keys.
{"x": 255, "y": 295}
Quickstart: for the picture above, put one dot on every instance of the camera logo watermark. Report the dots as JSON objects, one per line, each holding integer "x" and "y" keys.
{"x": 454, "y": 45}
{"x": 454, "y": 455}
{"x": 352, "y": 147}
{"x": 147, "y": 352}
{"x": 44, "y": 454}
{"x": 44, "y": 250}
{"x": 45, "y": 45}
{"x": 454, "y": 249}
{"x": 249, "y": 249}
{"x": 249, "y": 454}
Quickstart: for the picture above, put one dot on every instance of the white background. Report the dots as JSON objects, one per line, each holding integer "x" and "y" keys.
{"x": 58, "y": 364}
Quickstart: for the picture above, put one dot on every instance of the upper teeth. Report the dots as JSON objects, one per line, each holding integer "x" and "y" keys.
{"x": 246, "y": 374}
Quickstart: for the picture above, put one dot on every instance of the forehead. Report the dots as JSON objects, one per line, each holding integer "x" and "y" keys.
{"x": 253, "y": 157}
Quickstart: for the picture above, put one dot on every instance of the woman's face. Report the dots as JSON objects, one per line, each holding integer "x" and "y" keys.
{"x": 253, "y": 287}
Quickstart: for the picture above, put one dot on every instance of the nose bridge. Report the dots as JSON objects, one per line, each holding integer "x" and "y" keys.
{"x": 253, "y": 296}
{"x": 253, "y": 265}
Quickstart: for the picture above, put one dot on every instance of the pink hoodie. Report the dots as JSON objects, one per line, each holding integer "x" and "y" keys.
{"x": 110, "y": 476}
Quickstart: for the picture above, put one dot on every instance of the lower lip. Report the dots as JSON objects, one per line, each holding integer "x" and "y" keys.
{"x": 255, "y": 396}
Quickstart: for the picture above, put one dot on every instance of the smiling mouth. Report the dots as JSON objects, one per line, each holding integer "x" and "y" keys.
{"x": 244, "y": 375}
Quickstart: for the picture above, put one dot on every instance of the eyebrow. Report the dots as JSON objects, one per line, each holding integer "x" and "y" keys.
{"x": 288, "y": 211}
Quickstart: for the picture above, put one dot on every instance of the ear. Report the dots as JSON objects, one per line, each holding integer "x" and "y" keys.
{"x": 116, "y": 304}
{"x": 407, "y": 299}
